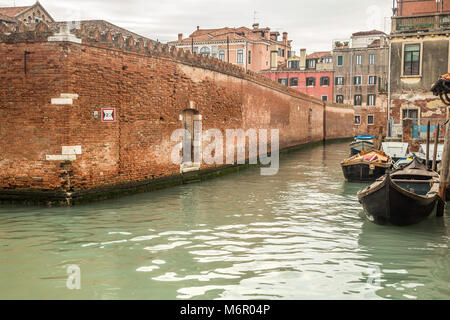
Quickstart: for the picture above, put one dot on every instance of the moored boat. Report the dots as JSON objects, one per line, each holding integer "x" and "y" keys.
{"x": 403, "y": 197}
{"x": 366, "y": 166}
{"x": 396, "y": 150}
{"x": 361, "y": 143}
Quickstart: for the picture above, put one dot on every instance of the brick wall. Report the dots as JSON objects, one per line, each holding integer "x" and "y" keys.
{"x": 150, "y": 87}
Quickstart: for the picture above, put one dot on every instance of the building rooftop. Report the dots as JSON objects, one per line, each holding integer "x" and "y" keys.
{"x": 368, "y": 33}
{"x": 241, "y": 33}
{"x": 12, "y": 11}
{"x": 318, "y": 55}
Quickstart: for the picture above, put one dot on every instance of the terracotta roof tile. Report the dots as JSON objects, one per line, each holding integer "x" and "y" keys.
{"x": 12, "y": 11}
{"x": 318, "y": 55}
{"x": 6, "y": 18}
{"x": 368, "y": 33}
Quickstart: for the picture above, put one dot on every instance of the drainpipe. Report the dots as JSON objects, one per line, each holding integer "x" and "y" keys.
{"x": 245, "y": 55}
{"x": 351, "y": 78}
{"x": 389, "y": 129}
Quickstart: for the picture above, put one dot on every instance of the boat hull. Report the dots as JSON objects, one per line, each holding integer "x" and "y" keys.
{"x": 390, "y": 204}
{"x": 359, "y": 146}
{"x": 362, "y": 172}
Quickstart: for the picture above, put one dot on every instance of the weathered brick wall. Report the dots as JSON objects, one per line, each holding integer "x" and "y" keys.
{"x": 150, "y": 88}
{"x": 336, "y": 117}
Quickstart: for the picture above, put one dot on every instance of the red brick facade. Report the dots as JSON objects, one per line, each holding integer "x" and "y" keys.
{"x": 150, "y": 87}
{"x": 412, "y": 8}
{"x": 319, "y": 89}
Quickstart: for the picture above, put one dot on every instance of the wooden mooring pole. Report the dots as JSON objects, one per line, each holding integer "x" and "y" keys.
{"x": 444, "y": 172}
{"x": 428, "y": 145}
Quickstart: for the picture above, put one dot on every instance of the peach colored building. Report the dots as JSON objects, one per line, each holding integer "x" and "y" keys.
{"x": 252, "y": 49}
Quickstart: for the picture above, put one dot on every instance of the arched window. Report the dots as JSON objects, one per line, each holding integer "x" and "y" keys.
{"x": 204, "y": 51}
{"x": 222, "y": 55}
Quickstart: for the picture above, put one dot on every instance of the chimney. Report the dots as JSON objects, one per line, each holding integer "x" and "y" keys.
{"x": 198, "y": 28}
{"x": 285, "y": 36}
{"x": 267, "y": 33}
{"x": 302, "y": 59}
{"x": 255, "y": 25}
{"x": 180, "y": 37}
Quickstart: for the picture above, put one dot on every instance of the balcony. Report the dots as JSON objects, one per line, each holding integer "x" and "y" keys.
{"x": 423, "y": 23}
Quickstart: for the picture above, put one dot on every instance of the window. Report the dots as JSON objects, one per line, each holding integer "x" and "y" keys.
{"x": 339, "y": 81}
{"x": 293, "y": 64}
{"x": 324, "y": 98}
{"x": 310, "y": 64}
{"x": 372, "y": 80}
{"x": 293, "y": 82}
{"x": 358, "y": 59}
{"x": 195, "y": 50}
{"x": 357, "y": 120}
{"x": 327, "y": 60}
{"x": 249, "y": 57}
{"x": 283, "y": 81}
{"x": 371, "y": 100}
{"x": 310, "y": 82}
{"x": 410, "y": 114}
{"x": 372, "y": 58}
{"x": 340, "y": 60}
{"x": 204, "y": 51}
{"x": 340, "y": 99}
{"x": 240, "y": 56}
{"x": 411, "y": 64}
{"x": 370, "y": 120}
{"x": 214, "y": 51}
{"x": 357, "y": 80}
{"x": 222, "y": 55}
{"x": 358, "y": 100}
{"x": 324, "y": 81}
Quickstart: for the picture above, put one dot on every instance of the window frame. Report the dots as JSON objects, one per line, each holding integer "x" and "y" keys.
{"x": 374, "y": 100}
{"x": 337, "y": 98}
{"x": 360, "y": 81}
{"x": 404, "y": 45}
{"x": 337, "y": 82}
{"x": 341, "y": 58}
{"x": 290, "y": 82}
{"x": 324, "y": 96}
{"x": 372, "y": 77}
{"x": 322, "y": 81}
{"x": 372, "y": 59}
{"x": 222, "y": 54}
{"x": 354, "y": 120}
{"x": 358, "y": 59}
{"x": 283, "y": 81}
{"x": 240, "y": 56}
{"x": 373, "y": 120}
{"x": 314, "y": 82}
{"x": 354, "y": 100}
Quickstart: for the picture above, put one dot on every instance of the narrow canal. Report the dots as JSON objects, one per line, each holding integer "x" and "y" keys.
{"x": 298, "y": 235}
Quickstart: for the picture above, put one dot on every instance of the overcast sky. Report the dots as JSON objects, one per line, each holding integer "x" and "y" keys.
{"x": 310, "y": 24}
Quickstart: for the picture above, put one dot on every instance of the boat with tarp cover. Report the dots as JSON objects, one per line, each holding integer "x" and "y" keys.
{"x": 361, "y": 143}
{"x": 403, "y": 197}
{"x": 366, "y": 166}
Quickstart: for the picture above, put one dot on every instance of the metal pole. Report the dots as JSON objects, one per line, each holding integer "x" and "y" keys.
{"x": 389, "y": 129}
{"x": 228, "y": 49}
{"x": 436, "y": 140}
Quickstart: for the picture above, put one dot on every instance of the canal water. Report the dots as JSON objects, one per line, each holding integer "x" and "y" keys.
{"x": 298, "y": 235}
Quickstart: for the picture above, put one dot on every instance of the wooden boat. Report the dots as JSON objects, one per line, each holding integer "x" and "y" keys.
{"x": 361, "y": 143}
{"x": 396, "y": 150}
{"x": 403, "y": 197}
{"x": 366, "y": 166}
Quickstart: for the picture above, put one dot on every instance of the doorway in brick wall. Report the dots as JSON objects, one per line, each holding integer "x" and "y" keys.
{"x": 192, "y": 141}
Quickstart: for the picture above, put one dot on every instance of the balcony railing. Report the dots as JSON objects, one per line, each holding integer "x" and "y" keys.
{"x": 422, "y": 23}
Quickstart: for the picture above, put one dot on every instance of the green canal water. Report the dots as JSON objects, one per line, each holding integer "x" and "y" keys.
{"x": 298, "y": 235}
